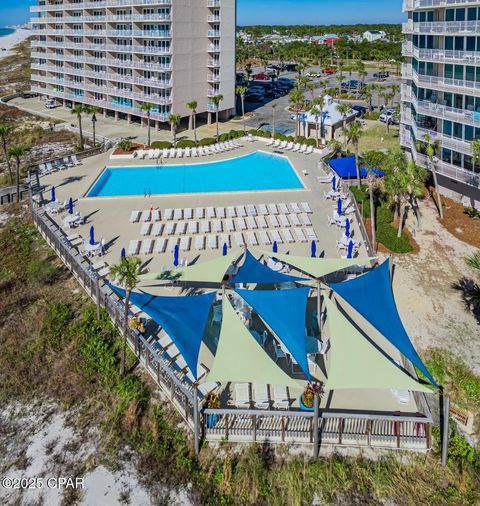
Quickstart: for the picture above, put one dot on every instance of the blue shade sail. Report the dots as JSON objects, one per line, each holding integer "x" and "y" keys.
{"x": 254, "y": 271}
{"x": 183, "y": 318}
{"x": 371, "y": 295}
{"x": 346, "y": 168}
{"x": 284, "y": 311}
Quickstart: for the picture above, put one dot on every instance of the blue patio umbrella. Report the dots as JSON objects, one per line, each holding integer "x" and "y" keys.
{"x": 53, "y": 193}
{"x": 70, "y": 206}
{"x": 347, "y": 228}
{"x": 339, "y": 207}
{"x": 275, "y": 247}
{"x": 225, "y": 249}
{"x": 313, "y": 249}
{"x": 334, "y": 183}
{"x": 123, "y": 253}
{"x": 175, "y": 256}
{"x": 92, "y": 235}
{"x": 350, "y": 249}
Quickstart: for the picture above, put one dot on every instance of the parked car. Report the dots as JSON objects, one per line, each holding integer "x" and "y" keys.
{"x": 360, "y": 110}
{"x": 285, "y": 80}
{"x": 261, "y": 77}
{"x": 328, "y": 70}
{"x": 389, "y": 115}
{"x": 51, "y": 103}
{"x": 381, "y": 75}
{"x": 254, "y": 97}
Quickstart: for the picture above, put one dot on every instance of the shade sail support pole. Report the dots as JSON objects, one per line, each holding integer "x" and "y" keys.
{"x": 196, "y": 442}
{"x": 316, "y": 404}
{"x": 319, "y": 310}
{"x": 445, "y": 410}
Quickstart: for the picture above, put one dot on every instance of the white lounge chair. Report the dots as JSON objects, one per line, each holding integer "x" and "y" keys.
{"x": 262, "y": 209}
{"x": 75, "y": 160}
{"x": 309, "y": 150}
{"x": 273, "y": 221}
{"x": 170, "y": 228}
{"x": 177, "y": 214}
{"x": 287, "y": 235}
{"x": 270, "y": 142}
{"x": 161, "y": 245}
{"x": 225, "y": 239}
{"x": 251, "y": 210}
{"x": 199, "y": 213}
{"x": 193, "y": 227}
{"x": 185, "y": 243}
{"x": 146, "y": 216}
{"x": 294, "y": 220}
{"x": 168, "y": 214}
{"x": 188, "y": 152}
{"x": 252, "y": 239}
{"x": 241, "y": 212}
{"x": 272, "y": 209}
{"x": 280, "y": 397}
{"x": 305, "y": 219}
{"x": 188, "y": 213}
{"x": 157, "y": 229}
{"x": 261, "y": 398}
{"x": 264, "y": 239}
{"x": 181, "y": 228}
{"x": 134, "y": 216}
{"x": 151, "y": 154}
{"x": 210, "y": 212}
{"x": 251, "y": 223}
{"x": 172, "y": 153}
{"x": 283, "y": 145}
{"x": 133, "y": 247}
{"x": 145, "y": 230}
{"x": 147, "y": 247}
{"x": 289, "y": 146}
{"x": 276, "y": 144}
{"x": 295, "y": 207}
{"x": 282, "y": 208}
{"x": 300, "y": 235}
{"x": 229, "y": 226}
{"x": 303, "y": 148}
{"x": 156, "y": 215}
{"x": 239, "y": 241}
{"x": 180, "y": 153}
{"x": 172, "y": 242}
{"x": 306, "y": 207}
{"x": 205, "y": 226}
{"x": 231, "y": 213}
{"x": 213, "y": 241}
{"x": 241, "y": 225}
{"x": 217, "y": 226}
{"x": 326, "y": 179}
{"x": 165, "y": 153}
{"x": 261, "y": 222}
{"x": 67, "y": 162}
{"x": 311, "y": 235}
{"x": 296, "y": 147}
{"x": 275, "y": 236}
{"x": 220, "y": 212}
{"x": 242, "y": 395}
{"x": 283, "y": 220}
{"x": 200, "y": 242}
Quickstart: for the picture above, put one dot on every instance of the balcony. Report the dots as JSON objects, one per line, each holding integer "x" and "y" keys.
{"x": 213, "y": 33}
{"x": 213, "y": 48}
{"x": 213, "y": 93}
{"x": 213, "y": 79}
{"x": 96, "y": 5}
{"x": 453, "y": 143}
{"x": 213, "y": 19}
{"x": 161, "y": 34}
{"x": 442, "y": 27}
{"x": 406, "y": 71}
{"x": 213, "y": 63}
{"x": 447, "y": 56}
{"x": 409, "y": 5}
{"x": 213, "y": 3}
{"x": 446, "y": 84}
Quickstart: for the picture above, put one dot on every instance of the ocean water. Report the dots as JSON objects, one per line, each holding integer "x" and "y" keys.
{"x": 254, "y": 172}
{"x": 6, "y": 31}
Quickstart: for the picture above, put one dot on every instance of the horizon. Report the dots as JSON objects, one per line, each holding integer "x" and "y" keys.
{"x": 259, "y": 12}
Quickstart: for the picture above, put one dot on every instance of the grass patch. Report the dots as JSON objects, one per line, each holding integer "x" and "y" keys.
{"x": 372, "y": 135}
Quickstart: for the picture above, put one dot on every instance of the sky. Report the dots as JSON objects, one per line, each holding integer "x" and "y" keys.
{"x": 271, "y": 12}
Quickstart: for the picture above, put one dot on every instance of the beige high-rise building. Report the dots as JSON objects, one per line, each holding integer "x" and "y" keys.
{"x": 441, "y": 91}
{"x": 119, "y": 54}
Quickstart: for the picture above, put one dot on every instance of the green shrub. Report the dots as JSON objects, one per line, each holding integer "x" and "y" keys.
{"x": 384, "y": 216}
{"x": 234, "y": 134}
{"x": 161, "y": 145}
{"x": 224, "y": 137}
{"x": 41, "y": 271}
{"x": 207, "y": 141}
{"x": 301, "y": 139}
{"x": 252, "y": 131}
{"x": 264, "y": 133}
{"x": 311, "y": 142}
{"x": 387, "y": 235}
{"x": 55, "y": 324}
{"x": 373, "y": 115}
{"x": 280, "y": 137}
{"x": 185, "y": 143}
{"x": 125, "y": 144}
{"x": 290, "y": 138}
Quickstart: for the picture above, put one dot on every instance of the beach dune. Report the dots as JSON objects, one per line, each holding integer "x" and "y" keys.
{"x": 9, "y": 41}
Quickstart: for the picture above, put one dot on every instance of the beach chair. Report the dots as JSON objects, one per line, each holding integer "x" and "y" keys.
{"x": 59, "y": 165}
{"x": 172, "y": 152}
{"x": 199, "y": 213}
{"x": 325, "y": 179}
{"x": 75, "y": 160}
{"x": 264, "y": 239}
{"x": 188, "y": 152}
{"x": 134, "y": 216}
{"x": 305, "y": 219}
{"x": 241, "y": 225}
{"x": 310, "y": 233}
{"x": 229, "y": 226}
{"x": 252, "y": 239}
{"x": 272, "y": 209}
{"x": 145, "y": 230}
{"x": 210, "y": 212}
{"x": 251, "y": 223}
{"x": 151, "y": 154}
{"x": 158, "y": 153}
{"x": 217, "y": 226}
{"x": 180, "y": 153}
{"x": 74, "y": 239}
{"x": 165, "y": 153}
{"x": 251, "y": 210}
{"x": 185, "y": 243}
{"x": 281, "y": 399}
{"x": 275, "y": 236}
{"x": 201, "y": 151}
{"x": 296, "y": 147}
{"x": 241, "y": 212}
{"x": 261, "y": 398}
{"x": 192, "y": 227}
{"x": 133, "y": 247}
{"x": 168, "y": 214}
{"x": 161, "y": 245}
{"x": 242, "y": 396}
{"x": 200, "y": 242}
{"x": 231, "y": 213}
{"x": 225, "y": 239}
{"x": 49, "y": 167}
{"x": 294, "y": 220}
{"x": 194, "y": 152}
{"x": 282, "y": 208}
{"x": 213, "y": 241}
{"x": 172, "y": 242}
{"x": 273, "y": 221}
{"x": 146, "y": 216}
{"x": 177, "y": 214}
{"x": 300, "y": 235}
{"x": 295, "y": 208}
{"x": 170, "y": 228}
{"x": 41, "y": 168}
{"x": 303, "y": 148}
{"x": 147, "y": 247}
{"x": 283, "y": 145}
{"x": 157, "y": 229}
{"x": 270, "y": 142}
{"x": 220, "y": 212}
{"x": 309, "y": 150}
{"x": 156, "y": 215}
{"x": 67, "y": 162}
{"x": 239, "y": 241}
{"x": 283, "y": 220}
{"x": 262, "y": 209}
{"x": 276, "y": 144}
{"x": 181, "y": 228}
{"x": 287, "y": 235}
{"x": 306, "y": 207}
{"x": 205, "y": 226}
{"x": 289, "y": 146}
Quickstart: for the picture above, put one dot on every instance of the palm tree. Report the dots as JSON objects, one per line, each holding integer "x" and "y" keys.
{"x": 147, "y": 107}
{"x": 91, "y": 109}
{"x": 248, "y": 70}
{"x": 78, "y": 110}
{"x": 18, "y": 152}
{"x": 274, "y": 106}
{"x": 241, "y": 90}
{"x": 431, "y": 149}
{"x": 216, "y": 102}
{"x": 317, "y": 112}
{"x": 311, "y": 88}
{"x": 5, "y": 135}
{"x": 297, "y": 101}
{"x": 475, "y": 152}
{"x": 368, "y": 95}
{"x": 335, "y": 146}
{"x": 344, "y": 109}
{"x": 472, "y": 296}
{"x": 126, "y": 273}
{"x": 193, "y": 118}
{"x": 174, "y": 120}
{"x": 339, "y": 77}
{"x": 353, "y": 134}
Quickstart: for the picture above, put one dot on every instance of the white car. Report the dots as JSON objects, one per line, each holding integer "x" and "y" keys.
{"x": 51, "y": 104}
{"x": 389, "y": 116}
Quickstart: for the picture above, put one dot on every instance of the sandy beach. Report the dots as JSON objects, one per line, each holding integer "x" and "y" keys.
{"x": 9, "y": 41}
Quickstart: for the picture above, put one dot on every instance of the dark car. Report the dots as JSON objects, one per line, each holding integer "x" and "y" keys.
{"x": 360, "y": 110}
{"x": 254, "y": 97}
{"x": 381, "y": 75}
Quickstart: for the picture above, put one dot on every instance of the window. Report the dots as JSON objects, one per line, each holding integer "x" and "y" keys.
{"x": 447, "y": 127}
{"x": 449, "y": 43}
{"x": 449, "y": 71}
{"x": 472, "y": 14}
{"x": 468, "y": 133}
{"x": 471, "y": 43}
{"x": 459, "y": 73}
{"x": 450, "y": 15}
{"x": 458, "y": 130}
{"x": 470, "y": 73}
{"x": 460, "y": 15}
{"x": 459, "y": 43}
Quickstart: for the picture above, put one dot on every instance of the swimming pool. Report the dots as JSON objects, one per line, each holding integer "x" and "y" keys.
{"x": 255, "y": 171}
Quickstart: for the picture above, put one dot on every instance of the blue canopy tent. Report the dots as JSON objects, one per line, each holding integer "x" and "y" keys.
{"x": 253, "y": 271}
{"x": 371, "y": 295}
{"x": 288, "y": 326}
{"x": 183, "y": 318}
{"x": 346, "y": 168}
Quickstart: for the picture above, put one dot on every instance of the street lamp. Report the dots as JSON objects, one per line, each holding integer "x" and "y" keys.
{"x": 94, "y": 120}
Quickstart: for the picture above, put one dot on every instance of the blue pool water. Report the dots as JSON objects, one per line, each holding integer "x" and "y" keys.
{"x": 256, "y": 171}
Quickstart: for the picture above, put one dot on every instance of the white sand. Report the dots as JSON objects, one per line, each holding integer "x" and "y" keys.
{"x": 9, "y": 41}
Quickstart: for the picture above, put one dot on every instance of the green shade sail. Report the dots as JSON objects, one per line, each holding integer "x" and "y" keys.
{"x": 318, "y": 267}
{"x": 354, "y": 363}
{"x": 240, "y": 359}
{"x": 212, "y": 271}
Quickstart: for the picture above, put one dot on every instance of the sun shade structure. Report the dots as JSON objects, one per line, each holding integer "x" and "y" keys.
{"x": 346, "y": 168}
{"x": 284, "y": 311}
{"x": 254, "y": 271}
{"x": 240, "y": 359}
{"x": 356, "y": 363}
{"x": 319, "y": 267}
{"x": 212, "y": 271}
{"x": 183, "y": 319}
{"x": 371, "y": 295}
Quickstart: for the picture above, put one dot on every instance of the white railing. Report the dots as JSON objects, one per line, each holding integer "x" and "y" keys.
{"x": 453, "y": 143}
{"x": 442, "y": 55}
{"x": 442, "y": 111}
{"x": 213, "y": 33}
{"x": 109, "y": 62}
{"x": 444, "y": 27}
{"x": 133, "y": 48}
{"x": 445, "y": 83}
{"x": 96, "y": 5}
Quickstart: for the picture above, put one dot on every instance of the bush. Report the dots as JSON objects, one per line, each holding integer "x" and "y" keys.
{"x": 125, "y": 145}
{"x": 264, "y": 133}
{"x": 55, "y": 324}
{"x": 186, "y": 143}
{"x": 41, "y": 271}
{"x": 373, "y": 115}
{"x": 234, "y": 134}
{"x": 207, "y": 141}
{"x": 290, "y": 138}
{"x": 253, "y": 131}
{"x": 224, "y": 137}
{"x": 311, "y": 142}
{"x": 301, "y": 139}
{"x": 161, "y": 145}
{"x": 280, "y": 137}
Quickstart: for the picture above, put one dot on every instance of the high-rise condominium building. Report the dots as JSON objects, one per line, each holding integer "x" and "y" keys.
{"x": 441, "y": 89}
{"x": 119, "y": 54}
